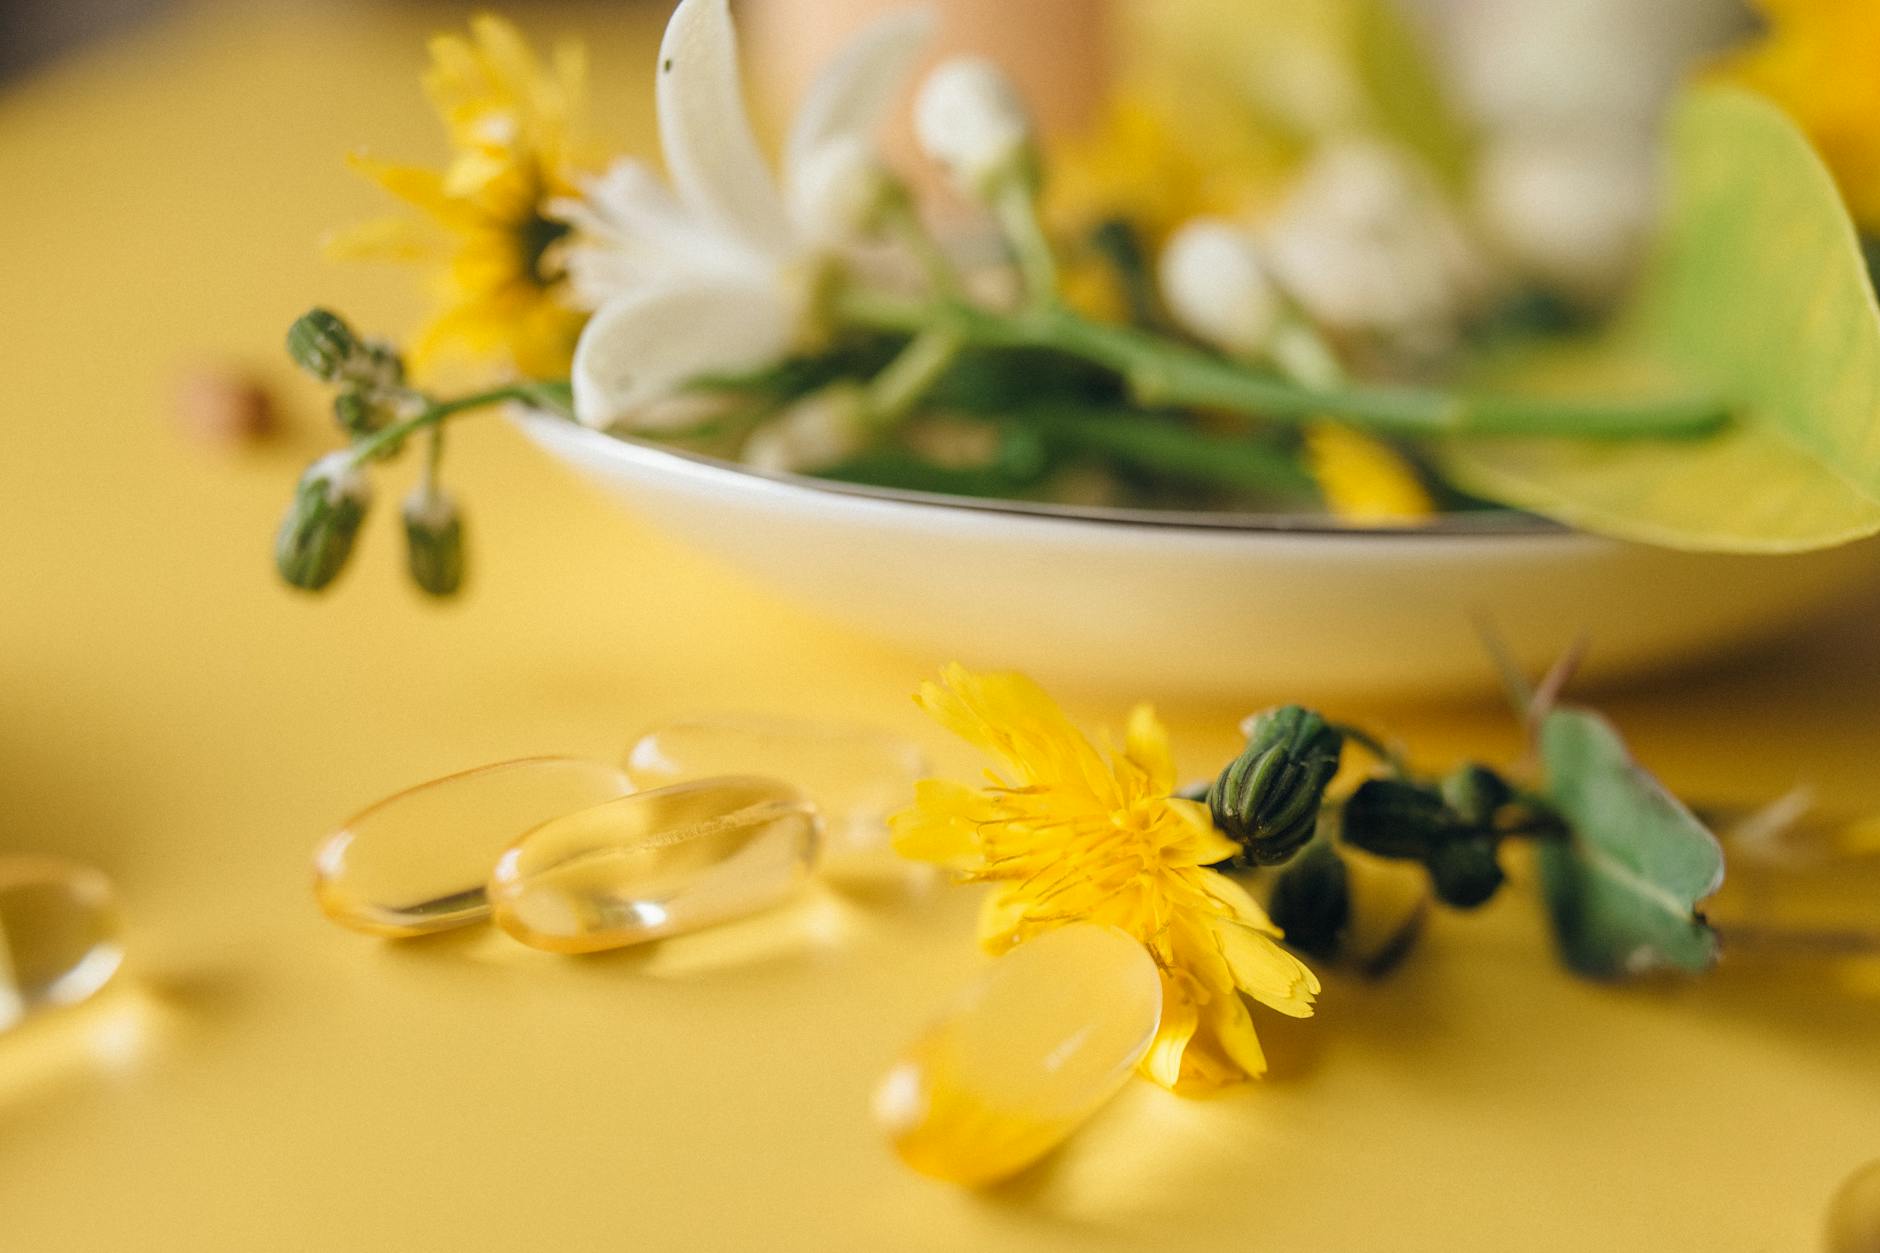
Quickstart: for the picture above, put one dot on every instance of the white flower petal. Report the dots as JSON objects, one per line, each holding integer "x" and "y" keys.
{"x": 853, "y": 95}
{"x": 631, "y": 232}
{"x": 705, "y": 131}
{"x": 641, "y": 348}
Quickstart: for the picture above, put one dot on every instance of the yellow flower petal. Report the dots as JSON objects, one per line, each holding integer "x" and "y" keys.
{"x": 1365, "y": 481}
{"x": 505, "y": 297}
{"x": 939, "y": 826}
{"x": 1233, "y": 1029}
{"x": 1078, "y": 838}
{"x": 1267, "y": 972}
{"x": 1147, "y": 745}
{"x": 1179, "y": 1020}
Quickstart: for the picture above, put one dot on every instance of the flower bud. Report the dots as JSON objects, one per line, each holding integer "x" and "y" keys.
{"x": 1217, "y": 288}
{"x": 1465, "y": 871}
{"x": 818, "y": 431}
{"x": 1395, "y": 818}
{"x": 839, "y": 192}
{"x": 356, "y": 414}
{"x": 1268, "y": 799}
{"x": 1311, "y": 901}
{"x": 969, "y": 118}
{"x": 322, "y": 344}
{"x": 1476, "y": 793}
{"x": 317, "y": 536}
{"x": 434, "y": 541}
{"x": 378, "y": 366}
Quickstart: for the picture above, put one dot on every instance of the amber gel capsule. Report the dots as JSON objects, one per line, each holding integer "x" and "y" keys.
{"x": 656, "y": 864}
{"x": 417, "y": 862}
{"x": 1027, "y": 1054}
{"x": 856, "y": 774}
{"x": 60, "y": 934}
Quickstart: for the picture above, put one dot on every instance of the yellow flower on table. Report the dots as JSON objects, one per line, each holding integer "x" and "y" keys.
{"x": 1818, "y": 59}
{"x": 511, "y": 122}
{"x": 1073, "y": 837}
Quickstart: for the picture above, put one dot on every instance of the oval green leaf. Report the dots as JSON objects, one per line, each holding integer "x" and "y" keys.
{"x": 1758, "y": 294}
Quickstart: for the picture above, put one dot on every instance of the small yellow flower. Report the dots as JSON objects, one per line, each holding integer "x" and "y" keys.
{"x": 1365, "y": 481}
{"x": 1074, "y": 838}
{"x": 502, "y": 294}
{"x": 1817, "y": 60}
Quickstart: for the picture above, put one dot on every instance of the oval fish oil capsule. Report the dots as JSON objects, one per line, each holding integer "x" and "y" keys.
{"x": 656, "y": 864}
{"x": 417, "y": 863}
{"x": 61, "y": 934}
{"x": 856, "y": 774}
{"x": 1027, "y": 1054}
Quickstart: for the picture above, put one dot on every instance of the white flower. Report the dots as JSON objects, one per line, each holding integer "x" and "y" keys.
{"x": 816, "y": 432}
{"x": 969, "y": 118}
{"x": 1366, "y": 242}
{"x": 1574, "y": 210}
{"x": 1216, "y": 286}
{"x": 714, "y": 274}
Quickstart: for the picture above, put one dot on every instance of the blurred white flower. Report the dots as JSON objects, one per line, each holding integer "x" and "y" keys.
{"x": 1566, "y": 96}
{"x": 1576, "y": 212}
{"x": 816, "y": 432}
{"x": 1216, "y": 286}
{"x": 1366, "y": 242}
{"x": 969, "y": 118}
{"x": 715, "y": 274}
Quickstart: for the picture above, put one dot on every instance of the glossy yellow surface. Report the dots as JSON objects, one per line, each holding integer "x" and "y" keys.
{"x": 1025, "y": 1055}
{"x": 656, "y": 864}
{"x": 257, "y": 1079}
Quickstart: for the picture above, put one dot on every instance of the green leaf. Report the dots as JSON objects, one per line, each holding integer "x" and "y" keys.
{"x": 1758, "y": 293}
{"x": 1623, "y": 889}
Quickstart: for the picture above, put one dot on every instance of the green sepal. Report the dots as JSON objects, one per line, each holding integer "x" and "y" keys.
{"x": 1268, "y": 798}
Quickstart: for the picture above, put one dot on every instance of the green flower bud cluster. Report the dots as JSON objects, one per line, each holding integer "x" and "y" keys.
{"x": 378, "y": 413}
{"x": 370, "y": 373}
{"x": 1268, "y": 798}
{"x": 1454, "y": 827}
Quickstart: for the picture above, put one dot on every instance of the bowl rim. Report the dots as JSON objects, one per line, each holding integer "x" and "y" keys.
{"x": 1472, "y": 525}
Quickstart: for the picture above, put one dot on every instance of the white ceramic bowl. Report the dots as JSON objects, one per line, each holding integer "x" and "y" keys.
{"x": 1250, "y": 608}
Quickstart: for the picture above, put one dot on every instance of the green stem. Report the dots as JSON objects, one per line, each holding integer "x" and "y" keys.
{"x": 549, "y": 396}
{"x": 894, "y": 393}
{"x": 1161, "y": 373}
{"x": 1166, "y": 446}
{"x": 1016, "y": 206}
{"x": 903, "y": 218}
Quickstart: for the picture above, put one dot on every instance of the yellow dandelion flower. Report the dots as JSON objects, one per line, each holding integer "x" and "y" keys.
{"x": 1364, "y": 480}
{"x": 502, "y": 295}
{"x": 1817, "y": 60}
{"x": 1073, "y": 837}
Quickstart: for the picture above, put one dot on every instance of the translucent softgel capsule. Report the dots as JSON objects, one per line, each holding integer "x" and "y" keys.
{"x": 856, "y": 774}
{"x": 417, "y": 862}
{"x": 1028, "y": 1053}
{"x": 656, "y": 864}
{"x": 60, "y": 934}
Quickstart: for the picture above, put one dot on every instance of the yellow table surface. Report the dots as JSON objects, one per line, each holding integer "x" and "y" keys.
{"x": 262, "y": 1080}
